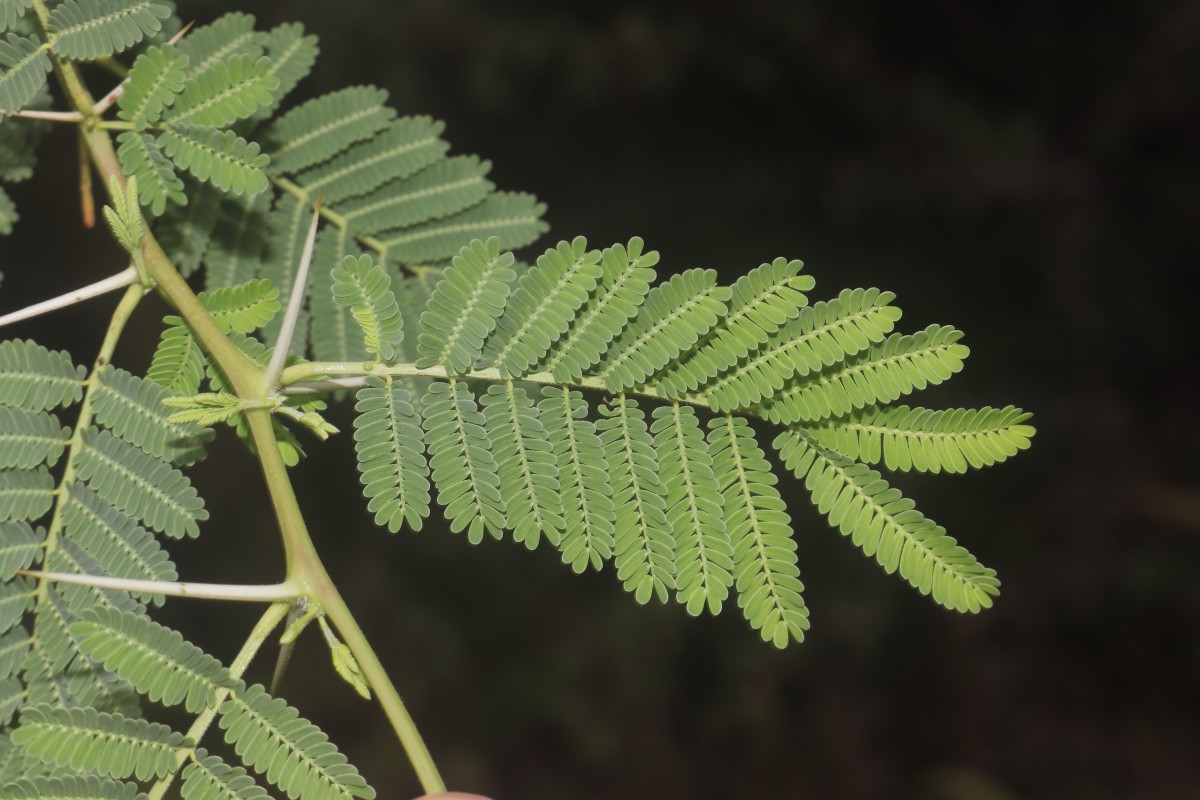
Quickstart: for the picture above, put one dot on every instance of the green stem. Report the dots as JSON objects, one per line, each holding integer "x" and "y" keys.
{"x": 129, "y": 301}
{"x": 269, "y": 621}
{"x": 304, "y": 566}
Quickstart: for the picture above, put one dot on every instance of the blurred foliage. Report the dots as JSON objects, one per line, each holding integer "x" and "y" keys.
{"x": 1042, "y": 156}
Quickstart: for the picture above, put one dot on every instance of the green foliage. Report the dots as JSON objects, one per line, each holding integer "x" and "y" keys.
{"x": 23, "y": 68}
{"x": 132, "y": 408}
{"x": 140, "y": 485}
{"x": 11, "y": 12}
{"x": 124, "y": 217}
{"x": 529, "y": 487}
{"x": 626, "y": 275}
{"x": 76, "y": 787}
{"x": 224, "y": 93}
{"x": 673, "y": 316}
{"x": 362, "y": 286}
{"x": 645, "y": 548}
{"x": 210, "y": 778}
{"x": 462, "y": 312}
{"x": 905, "y": 438}
{"x": 464, "y": 469}
{"x": 154, "y": 659}
{"x": 764, "y": 553}
{"x": 155, "y": 82}
{"x": 390, "y": 445}
{"x": 292, "y": 753}
{"x": 90, "y": 29}
{"x": 886, "y": 525}
{"x": 28, "y": 439}
{"x": 83, "y": 739}
{"x": 221, "y": 158}
{"x": 36, "y": 379}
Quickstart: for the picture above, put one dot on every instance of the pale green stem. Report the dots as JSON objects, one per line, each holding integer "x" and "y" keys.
{"x": 270, "y": 620}
{"x": 133, "y": 295}
{"x": 316, "y": 376}
{"x": 111, "y": 284}
{"x": 280, "y": 592}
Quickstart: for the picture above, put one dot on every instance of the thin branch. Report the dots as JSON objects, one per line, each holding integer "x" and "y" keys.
{"x": 277, "y": 593}
{"x": 127, "y": 277}
{"x": 284, "y": 343}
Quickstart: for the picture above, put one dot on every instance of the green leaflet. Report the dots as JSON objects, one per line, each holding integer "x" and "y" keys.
{"x": 14, "y": 648}
{"x": 362, "y": 286}
{"x": 184, "y": 231}
{"x": 763, "y": 301}
{"x": 885, "y": 372}
{"x": 441, "y": 189}
{"x": 886, "y": 525}
{"x": 142, "y": 157}
{"x": 76, "y": 787}
{"x": 926, "y": 440}
{"x": 23, "y": 68}
{"x": 292, "y": 753}
{"x": 820, "y": 336}
{"x": 36, "y": 379}
{"x": 154, "y": 659}
{"x": 235, "y": 252}
{"x": 88, "y": 29}
{"x": 155, "y": 81}
{"x": 84, "y": 739}
{"x": 323, "y": 127}
{"x": 209, "y": 778}
{"x": 292, "y": 56}
{"x": 11, "y": 12}
{"x": 543, "y": 306}
{"x": 673, "y": 317}
{"x": 25, "y": 495}
{"x": 626, "y": 275}
{"x": 703, "y": 554}
{"x": 390, "y": 445}
{"x": 645, "y": 546}
{"x": 245, "y": 307}
{"x": 228, "y": 36}
{"x": 140, "y": 485}
{"x": 113, "y": 541}
{"x": 224, "y": 93}
{"x": 513, "y": 219}
{"x": 20, "y": 546}
{"x": 221, "y": 158}
{"x": 132, "y": 408}
{"x": 460, "y": 455}
{"x": 400, "y": 150}
{"x": 524, "y": 458}
{"x": 764, "y": 553}
{"x": 589, "y": 516}
{"x": 463, "y": 309}
{"x": 28, "y": 439}
{"x": 178, "y": 363}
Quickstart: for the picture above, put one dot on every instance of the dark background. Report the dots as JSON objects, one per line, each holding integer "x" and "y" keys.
{"x": 1024, "y": 171}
